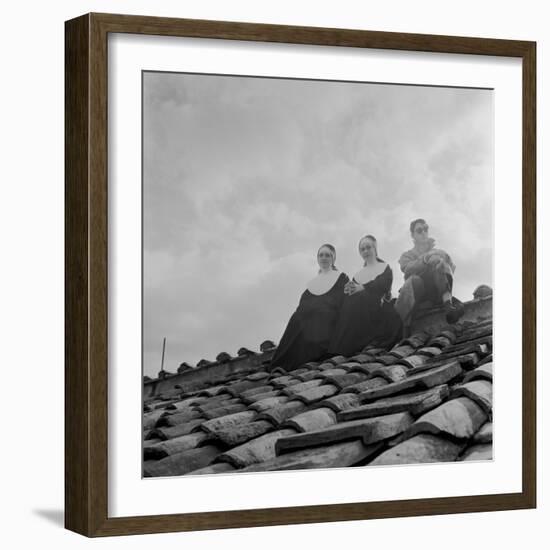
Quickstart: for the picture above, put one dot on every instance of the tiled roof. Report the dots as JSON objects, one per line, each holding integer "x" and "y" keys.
{"x": 427, "y": 399}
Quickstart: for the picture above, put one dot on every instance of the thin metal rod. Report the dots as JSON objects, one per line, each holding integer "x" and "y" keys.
{"x": 163, "y": 348}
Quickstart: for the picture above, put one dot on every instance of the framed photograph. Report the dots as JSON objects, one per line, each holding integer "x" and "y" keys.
{"x": 300, "y": 274}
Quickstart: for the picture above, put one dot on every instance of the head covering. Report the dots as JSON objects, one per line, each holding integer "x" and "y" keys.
{"x": 375, "y": 245}
{"x": 332, "y": 251}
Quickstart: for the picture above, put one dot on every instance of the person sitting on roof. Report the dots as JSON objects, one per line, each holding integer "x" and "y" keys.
{"x": 308, "y": 332}
{"x": 428, "y": 275}
{"x": 367, "y": 314}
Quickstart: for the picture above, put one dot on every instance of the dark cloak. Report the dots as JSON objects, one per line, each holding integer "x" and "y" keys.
{"x": 310, "y": 328}
{"x": 366, "y": 318}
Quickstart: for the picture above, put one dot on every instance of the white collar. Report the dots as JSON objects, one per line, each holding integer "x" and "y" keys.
{"x": 370, "y": 272}
{"x": 323, "y": 282}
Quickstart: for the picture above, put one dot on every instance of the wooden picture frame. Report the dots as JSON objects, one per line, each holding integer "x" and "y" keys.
{"x": 86, "y": 294}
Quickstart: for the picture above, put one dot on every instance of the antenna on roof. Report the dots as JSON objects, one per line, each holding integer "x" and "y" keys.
{"x": 163, "y": 348}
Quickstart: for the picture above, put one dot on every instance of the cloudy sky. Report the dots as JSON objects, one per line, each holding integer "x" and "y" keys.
{"x": 245, "y": 177}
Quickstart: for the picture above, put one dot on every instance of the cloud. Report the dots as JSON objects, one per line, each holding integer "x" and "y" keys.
{"x": 244, "y": 178}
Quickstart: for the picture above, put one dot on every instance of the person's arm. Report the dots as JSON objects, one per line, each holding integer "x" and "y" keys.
{"x": 410, "y": 265}
{"x": 440, "y": 260}
{"x": 352, "y": 287}
{"x": 382, "y": 284}
{"x": 341, "y": 289}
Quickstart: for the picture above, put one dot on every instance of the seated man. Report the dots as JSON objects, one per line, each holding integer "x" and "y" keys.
{"x": 428, "y": 277}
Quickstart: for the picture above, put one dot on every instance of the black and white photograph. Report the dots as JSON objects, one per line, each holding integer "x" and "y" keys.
{"x": 317, "y": 274}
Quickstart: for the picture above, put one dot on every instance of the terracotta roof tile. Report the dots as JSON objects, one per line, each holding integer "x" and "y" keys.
{"x": 314, "y": 419}
{"x": 344, "y": 380}
{"x": 387, "y": 359}
{"x": 402, "y": 351}
{"x": 362, "y": 358}
{"x": 460, "y": 418}
{"x": 218, "y": 468}
{"x": 239, "y": 387}
{"x": 391, "y": 373}
{"x": 346, "y": 411}
{"x": 175, "y": 445}
{"x": 484, "y": 372}
{"x": 310, "y": 375}
{"x": 477, "y": 332}
{"x": 224, "y": 410}
{"x": 176, "y": 431}
{"x": 478, "y": 452}
{"x": 240, "y": 433}
{"x": 255, "y": 391}
{"x": 340, "y": 402}
{"x": 370, "y": 430}
{"x": 223, "y": 357}
{"x": 416, "y": 340}
{"x": 221, "y": 423}
{"x": 284, "y": 381}
{"x": 430, "y": 351}
{"x": 297, "y": 388}
{"x": 479, "y": 391}
{"x": 177, "y": 418}
{"x": 311, "y": 395}
{"x": 278, "y": 371}
{"x": 261, "y": 396}
{"x": 416, "y": 403}
{"x": 268, "y": 403}
{"x": 150, "y": 419}
{"x": 486, "y": 359}
{"x": 367, "y": 385}
{"x": 187, "y": 402}
{"x": 300, "y": 370}
{"x": 261, "y": 375}
{"x": 414, "y": 361}
{"x": 450, "y": 334}
{"x": 244, "y": 352}
{"x": 422, "y": 448}
{"x": 338, "y": 455}
{"x": 161, "y": 403}
{"x": 469, "y": 361}
{"x": 337, "y": 359}
{"x": 149, "y": 442}
{"x": 258, "y": 450}
{"x": 213, "y": 390}
{"x": 324, "y": 366}
{"x": 429, "y": 365}
{"x": 329, "y": 373}
{"x": 216, "y": 402}
{"x": 267, "y": 345}
{"x": 373, "y": 350}
{"x": 440, "y": 342}
{"x": 278, "y": 414}
{"x": 423, "y": 380}
{"x": 367, "y": 368}
{"x": 469, "y": 347}
{"x": 484, "y": 434}
{"x": 181, "y": 463}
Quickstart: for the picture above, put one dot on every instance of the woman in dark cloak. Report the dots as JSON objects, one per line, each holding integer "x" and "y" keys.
{"x": 310, "y": 328}
{"x": 367, "y": 314}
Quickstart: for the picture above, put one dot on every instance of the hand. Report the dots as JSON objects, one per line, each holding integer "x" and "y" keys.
{"x": 353, "y": 288}
{"x": 433, "y": 260}
{"x": 436, "y": 262}
{"x": 440, "y": 265}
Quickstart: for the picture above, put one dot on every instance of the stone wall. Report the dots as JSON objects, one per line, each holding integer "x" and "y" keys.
{"x": 208, "y": 374}
{"x": 434, "y": 320}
